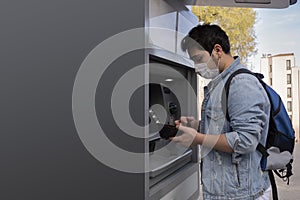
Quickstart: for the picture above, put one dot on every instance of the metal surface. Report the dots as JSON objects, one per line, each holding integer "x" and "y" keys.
{"x": 160, "y": 164}
{"x": 243, "y": 3}
{"x": 43, "y": 44}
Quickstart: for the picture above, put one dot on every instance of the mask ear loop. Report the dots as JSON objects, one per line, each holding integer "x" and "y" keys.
{"x": 219, "y": 58}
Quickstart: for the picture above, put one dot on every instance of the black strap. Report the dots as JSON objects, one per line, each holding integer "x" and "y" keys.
{"x": 262, "y": 150}
{"x": 273, "y": 184}
{"x": 227, "y": 87}
{"x": 285, "y": 173}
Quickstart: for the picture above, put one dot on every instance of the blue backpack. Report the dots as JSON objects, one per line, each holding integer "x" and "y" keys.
{"x": 281, "y": 136}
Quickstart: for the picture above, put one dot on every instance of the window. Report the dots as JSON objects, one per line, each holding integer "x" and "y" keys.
{"x": 270, "y": 68}
{"x": 289, "y": 79}
{"x": 289, "y": 92}
{"x": 289, "y": 106}
{"x": 271, "y": 82}
{"x": 288, "y": 64}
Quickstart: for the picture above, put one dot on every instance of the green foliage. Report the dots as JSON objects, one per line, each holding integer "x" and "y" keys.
{"x": 238, "y": 24}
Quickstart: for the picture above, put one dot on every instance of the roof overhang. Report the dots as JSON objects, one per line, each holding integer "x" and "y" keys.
{"x": 243, "y": 3}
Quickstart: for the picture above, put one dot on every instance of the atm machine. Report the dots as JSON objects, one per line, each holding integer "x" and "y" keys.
{"x": 173, "y": 169}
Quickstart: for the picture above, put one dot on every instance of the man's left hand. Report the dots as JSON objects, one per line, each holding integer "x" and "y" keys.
{"x": 188, "y": 136}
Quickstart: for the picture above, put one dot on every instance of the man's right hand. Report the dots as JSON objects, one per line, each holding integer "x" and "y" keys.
{"x": 188, "y": 121}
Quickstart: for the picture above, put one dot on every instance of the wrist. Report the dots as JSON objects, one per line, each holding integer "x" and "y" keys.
{"x": 199, "y": 138}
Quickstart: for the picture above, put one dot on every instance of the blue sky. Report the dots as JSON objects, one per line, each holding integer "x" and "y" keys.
{"x": 277, "y": 31}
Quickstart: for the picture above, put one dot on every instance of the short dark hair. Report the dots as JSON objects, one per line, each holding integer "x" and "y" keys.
{"x": 205, "y": 37}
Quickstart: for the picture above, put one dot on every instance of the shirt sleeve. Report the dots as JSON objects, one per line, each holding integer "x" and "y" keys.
{"x": 248, "y": 109}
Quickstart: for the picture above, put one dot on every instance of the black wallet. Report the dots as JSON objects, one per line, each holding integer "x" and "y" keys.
{"x": 167, "y": 131}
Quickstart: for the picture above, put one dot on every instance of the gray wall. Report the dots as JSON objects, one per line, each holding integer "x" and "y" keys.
{"x": 42, "y": 44}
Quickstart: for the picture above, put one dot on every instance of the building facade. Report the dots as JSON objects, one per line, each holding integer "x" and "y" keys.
{"x": 283, "y": 76}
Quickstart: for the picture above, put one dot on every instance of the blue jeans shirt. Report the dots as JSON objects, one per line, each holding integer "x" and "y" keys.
{"x": 237, "y": 175}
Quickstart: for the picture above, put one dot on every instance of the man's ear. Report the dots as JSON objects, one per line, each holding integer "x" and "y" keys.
{"x": 218, "y": 49}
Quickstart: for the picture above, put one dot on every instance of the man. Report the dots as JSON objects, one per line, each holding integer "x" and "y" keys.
{"x": 230, "y": 163}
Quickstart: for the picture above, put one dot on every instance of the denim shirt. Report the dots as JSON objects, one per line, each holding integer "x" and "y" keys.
{"x": 236, "y": 175}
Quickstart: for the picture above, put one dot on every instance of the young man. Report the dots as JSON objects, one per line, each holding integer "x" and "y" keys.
{"x": 230, "y": 163}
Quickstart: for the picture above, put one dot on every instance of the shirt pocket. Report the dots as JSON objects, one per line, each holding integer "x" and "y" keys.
{"x": 216, "y": 121}
{"x": 232, "y": 179}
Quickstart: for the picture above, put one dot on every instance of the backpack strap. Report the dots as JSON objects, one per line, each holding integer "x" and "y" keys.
{"x": 227, "y": 87}
{"x": 285, "y": 173}
{"x": 262, "y": 150}
{"x": 273, "y": 184}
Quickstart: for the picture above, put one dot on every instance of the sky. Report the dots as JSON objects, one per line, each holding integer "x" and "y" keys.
{"x": 277, "y": 31}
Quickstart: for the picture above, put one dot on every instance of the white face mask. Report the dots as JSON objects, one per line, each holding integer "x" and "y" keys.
{"x": 203, "y": 70}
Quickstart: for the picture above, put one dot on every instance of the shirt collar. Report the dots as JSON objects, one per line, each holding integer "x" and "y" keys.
{"x": 222, "y": 76}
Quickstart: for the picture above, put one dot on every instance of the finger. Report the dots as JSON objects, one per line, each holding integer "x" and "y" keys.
{"x": 176, "y": 139}
{"x": 190, "y": 118}
{"x": 177, "y": 122}
{"x": 183, "y": 128}
{"x": 183, "y": 120}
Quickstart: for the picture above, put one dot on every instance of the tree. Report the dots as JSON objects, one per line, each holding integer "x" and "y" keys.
{"x": 238, "y": 24}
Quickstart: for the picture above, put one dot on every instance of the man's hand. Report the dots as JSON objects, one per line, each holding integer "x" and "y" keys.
{"x": 189, "y": 122}
{"x": 188, "y": 136}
